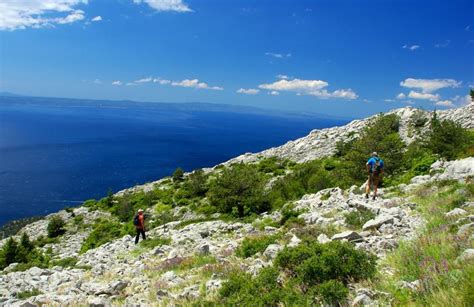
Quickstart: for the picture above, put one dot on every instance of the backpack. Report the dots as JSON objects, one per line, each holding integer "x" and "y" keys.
{"x": 135, "y": 220}
{"x": 378, "y": 166}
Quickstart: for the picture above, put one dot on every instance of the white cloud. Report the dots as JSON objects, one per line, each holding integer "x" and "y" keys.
{"x": 250, "y": 91}
{"x": 97, "y": 18}
{"x": 131, "y": 84}
{"x": 429, "y": 85}
{"x": 280, "y": 76}
{"x": 308, "y": 87}
{"x": 194, "y": 83}
{"x": 463, "y": 100}
{"x": 97, "y": 81}
{"x": 166, "y": 5}
{"x": 425, "y": 96}
{"x": 161, "y": 81}
{"x": 144, "y": 80}
{"x": 443, "y": 45}
{"x": 411, "y": 48}
{"x": 467, "y": 28}
{"x": 445, "y": 103}
{"x": 401, "y": 96}
{"x": 389, "y": 100}
{"x": 117, "y": 82}
{"x": 278, "y": 55}
{"x": 274, "y": 93}
{"x": 16, "y": 15}
{"x": 344, "y": 94}
{"x": 295, "y": 85}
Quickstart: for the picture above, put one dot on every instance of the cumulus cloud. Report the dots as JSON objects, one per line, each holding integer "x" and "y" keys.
{"x": 411, "y": 47}
{"x": 278, "y": 55}
{"x": 463, "y": 100}
{"x": 445, "y": 103}
{"x": 308, "y": 87}
{"x": 117, "y": 82}
{"x": 274, "y": 93}
{"x": 195, "y": 83}
{"x": 97, "y": 18}
{"x": 166, "y": 5}
{"x": 16, "y": 15}
{"x": 250, "y": 91}
{"x": 401, "y": 96}
{"x": 429, "y": 85}
{"x": 425, "y": 96}
{"x": 161, "y": 81}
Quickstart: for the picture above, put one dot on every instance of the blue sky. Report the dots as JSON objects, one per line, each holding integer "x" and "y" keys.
{"x": 348, "y": 58}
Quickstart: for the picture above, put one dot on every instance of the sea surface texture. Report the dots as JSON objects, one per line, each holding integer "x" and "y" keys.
{"x": 56, "y": 153}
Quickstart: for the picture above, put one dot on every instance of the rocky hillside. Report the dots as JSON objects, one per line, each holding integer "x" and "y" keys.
{"x": 189, "y": 254}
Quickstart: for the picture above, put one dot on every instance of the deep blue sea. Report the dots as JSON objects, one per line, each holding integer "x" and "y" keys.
{"x": 56, "y": 153}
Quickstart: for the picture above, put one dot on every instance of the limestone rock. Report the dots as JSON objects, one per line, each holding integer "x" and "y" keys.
{"x": 377, "y": 222}
{"x": 455, "y": 213}
{"x": 348, "y": 235}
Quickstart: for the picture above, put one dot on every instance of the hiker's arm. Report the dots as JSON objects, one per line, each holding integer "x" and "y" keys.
{"x": 368, "y": 167}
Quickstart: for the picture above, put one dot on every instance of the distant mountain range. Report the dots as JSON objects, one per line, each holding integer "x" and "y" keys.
{"x": 7, "y": 97}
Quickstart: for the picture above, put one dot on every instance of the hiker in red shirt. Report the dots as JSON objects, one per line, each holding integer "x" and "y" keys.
{"x": 139, "y": 222}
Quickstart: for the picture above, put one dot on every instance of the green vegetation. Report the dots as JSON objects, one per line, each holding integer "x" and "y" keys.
{"x": 178, "y": 175}
{"x": 256, "y": 244}
{"x": 56, "y": 227}
{"x": 358, "y": 218}
{"x": 449, "y": 140}
{"x": 154, "y": 242}
{"x": 239, "y": 190}
{"x": 432, "y": 258}
{"x": 312, "y": 274}
{"x": 22, "y": 295}
{"x": 103, "y": 231}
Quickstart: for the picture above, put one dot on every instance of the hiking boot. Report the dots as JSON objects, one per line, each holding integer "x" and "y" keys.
{"x": 366, "y": 196}
{"x": 374, "y": 197}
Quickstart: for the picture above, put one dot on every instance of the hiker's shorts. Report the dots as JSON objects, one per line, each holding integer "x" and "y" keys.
{"x": 374, "y": 179}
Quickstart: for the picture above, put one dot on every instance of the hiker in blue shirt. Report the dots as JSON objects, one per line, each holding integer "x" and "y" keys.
{"x": 375, "y": 167}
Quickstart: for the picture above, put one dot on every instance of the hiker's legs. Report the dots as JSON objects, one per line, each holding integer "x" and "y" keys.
{"x": 369, "y": 183}
{"x": 137, "y": 237}
{"x": 376, "y": 184}
{"x": 143, "y": 234}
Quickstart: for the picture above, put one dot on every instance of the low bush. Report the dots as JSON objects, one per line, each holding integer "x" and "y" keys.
{"x": 358, "y": 218}
{"x": 252, "y": 245}
{"x": 27, "y": 294}
{"x": 56, "y": 227}
{"x": 309, "y": 274}
{"x": 103, "y": 231}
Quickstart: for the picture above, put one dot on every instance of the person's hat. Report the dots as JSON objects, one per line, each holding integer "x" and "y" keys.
{"x": 140, "y": 210}
{"x": 374, "y": 154}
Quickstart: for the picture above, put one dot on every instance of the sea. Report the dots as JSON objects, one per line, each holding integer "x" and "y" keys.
{"x": 56, "y": 153}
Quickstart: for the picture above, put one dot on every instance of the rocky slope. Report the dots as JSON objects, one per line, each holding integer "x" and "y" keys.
{"x": 191, "y": 265}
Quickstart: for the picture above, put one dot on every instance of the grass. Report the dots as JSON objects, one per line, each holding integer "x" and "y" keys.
{"x": 432, "y": 258}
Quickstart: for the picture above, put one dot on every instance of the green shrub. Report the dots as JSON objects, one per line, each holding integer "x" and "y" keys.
{"x": 449, "y": 139}
{"x": 358, "y": 218}
{"x": 313, "y": 263}
{"x": 196, "y": 184}
{"x": 239, "y": 190}
{"x": 252, "y": 245}
{"x": 103, "y": 231}
{"x": 56, "y": 227}
{"x": 68, "y": 262}
{"x": 178, "y": 175}
{"x": 332, "y": 292}
{"x": 27, "y": 294}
